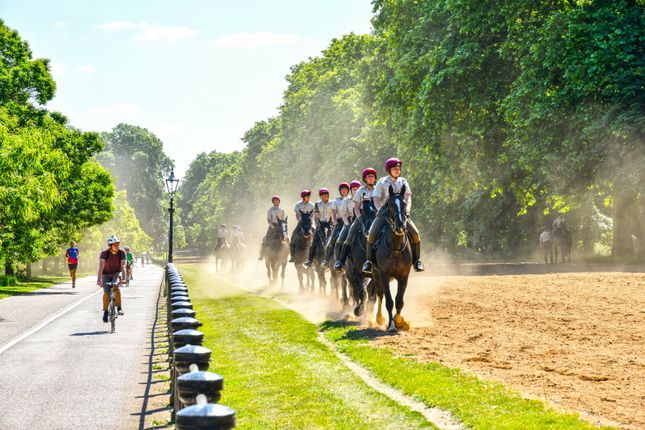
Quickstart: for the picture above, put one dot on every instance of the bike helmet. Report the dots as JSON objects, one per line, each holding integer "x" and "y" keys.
{"x": 368, "y": 171}
{"x": 275, "y": 197}
{"x": 392, "y": 162}
{"x": 112, "y": 239}
{"x": 354, "y": 184}
{"x": 343, "y": 185}
{"x": 304, "y": 193}
{"x": 127, "y": 248}
{"x": 322, "y": 191}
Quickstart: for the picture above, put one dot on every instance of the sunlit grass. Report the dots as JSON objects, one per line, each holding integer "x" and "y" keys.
{"x": 33, "y": 284}
{"x": 277, "y": 374}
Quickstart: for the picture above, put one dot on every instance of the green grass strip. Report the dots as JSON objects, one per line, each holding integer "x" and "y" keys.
{"x": 476, "y": 403}
{"x": 277, "y": 374}
{"x": 33, "y": 284}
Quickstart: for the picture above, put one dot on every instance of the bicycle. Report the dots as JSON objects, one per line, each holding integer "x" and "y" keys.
{"x": 128, "y": 274}
{"x": 112, "y": 313}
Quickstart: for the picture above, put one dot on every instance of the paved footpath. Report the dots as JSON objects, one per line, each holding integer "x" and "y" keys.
{"x": 61, "y": 368}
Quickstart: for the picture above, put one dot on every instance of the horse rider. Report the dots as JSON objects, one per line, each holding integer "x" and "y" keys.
{"x": 381, "y": 194}
{"x": 558, "y": 222}
{"x": 237, "y": 235}
{"x": 365, "y": 192}
{"x": 302, "y": 206}
{"x": 222, "y": 236}
{"x": 275, "y": 214}
{"x": 341, "y": 220}
{"x": 324, "y": 214}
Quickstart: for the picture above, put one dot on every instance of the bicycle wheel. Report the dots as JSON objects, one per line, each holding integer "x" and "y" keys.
{"x": 112, "y": 314}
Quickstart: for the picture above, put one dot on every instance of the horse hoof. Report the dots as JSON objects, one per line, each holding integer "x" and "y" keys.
{"x": 405, "y": 326}
{"x": 380, "y": 320}
{"x": 358, "y": 311}
{"x": 391, "y": 328}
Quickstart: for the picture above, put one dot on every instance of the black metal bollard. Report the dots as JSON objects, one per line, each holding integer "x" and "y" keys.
{"x": 203, "y": 416}
{"x": 174, "y": 299}
{"x": 191, "y": 354}
{"x": 178, "y": 293}
{"x": 181, "y": 305}
{"x": 187, "y": 337}
{"x": 184, "y": 323}
{"x": 190, "y": 384}
{"x": 179, "y": 313}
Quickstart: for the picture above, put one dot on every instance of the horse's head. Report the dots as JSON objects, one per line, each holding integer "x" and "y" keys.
{"x": 396, "y": 209}
{"x": 368, "y": 213}
{"x": 305, "y": 223}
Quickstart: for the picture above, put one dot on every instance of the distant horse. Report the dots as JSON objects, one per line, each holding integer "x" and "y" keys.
{"x": 276, "y": 252}
{"x": 302, "y": 238}
{"x": 358, "y": 280}
{"x": 222, "y": 255}
{"x": 546, "y": 245}
{"x": 237, "y": 252}
{"x": 393, "y": 260}
{"x": 323, "y": 231}
{"x": 562, "y": 240}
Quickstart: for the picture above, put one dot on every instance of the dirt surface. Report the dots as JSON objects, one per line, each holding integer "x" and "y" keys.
{"x": 576, "y": 340}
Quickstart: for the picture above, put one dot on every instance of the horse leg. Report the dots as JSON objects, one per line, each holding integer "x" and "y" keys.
{"x": 389, "y": 302}
{"x": 300, "y": 280}
{"x": 379, "y": 314}
{"x": 343, "y": 283}
{"x": 399, "y": 322}
{"x": 359, "y": 294}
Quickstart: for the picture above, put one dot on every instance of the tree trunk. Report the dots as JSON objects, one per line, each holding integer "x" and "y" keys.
{"x": 9, "y": 269}
{"x": 625, "y": 223}
{"x": 28, "y": 270}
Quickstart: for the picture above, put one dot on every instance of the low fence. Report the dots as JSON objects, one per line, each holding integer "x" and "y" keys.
{"x": 195, "y": 391}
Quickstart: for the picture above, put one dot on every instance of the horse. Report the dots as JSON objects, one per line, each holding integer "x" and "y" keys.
{"x": 393, "y": 260}
{"x": 276, "y": 252}
{"x": 221, "y": 255}
{"x": 302, "y": 238}
{"x": 357, "y": 279}
{"x": 237, "y": 250}
{"x": 562, "y": 239}
{"x": 323, "y": 231}
{"x": 338, "y": 281}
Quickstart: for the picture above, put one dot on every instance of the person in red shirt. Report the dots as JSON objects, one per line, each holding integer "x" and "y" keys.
{"x": 111, "y": 267}
{"x": 72, "y": 254}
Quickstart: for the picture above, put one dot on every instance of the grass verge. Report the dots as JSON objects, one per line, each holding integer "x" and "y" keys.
{"x": 32, "y": 284}
{"x": 277, "y": 374}
{"x": 476, "y": 403}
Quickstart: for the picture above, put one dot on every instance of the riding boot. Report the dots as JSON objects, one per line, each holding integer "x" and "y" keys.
{"x": 344, "y": 252}
{"x": 307, "y": 262}
{"x": 416, "y": 257}
{"x": 292, "y": 250}
{"x": 367, "y": 266}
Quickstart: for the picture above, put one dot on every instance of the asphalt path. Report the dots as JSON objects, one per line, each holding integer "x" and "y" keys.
{"x": 61, "y": 368}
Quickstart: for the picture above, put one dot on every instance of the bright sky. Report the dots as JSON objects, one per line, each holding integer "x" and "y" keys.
{"x": 197, "y": 73}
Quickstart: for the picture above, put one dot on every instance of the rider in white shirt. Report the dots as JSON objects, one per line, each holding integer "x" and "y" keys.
{"x": 341, "y": 220}
{"x": 324, "y": 214}
{"x": 222, "y": 236}
{"x": 274, "y": 214}
{"x": 381, "y": 194}
{"x": 365, "y": 192}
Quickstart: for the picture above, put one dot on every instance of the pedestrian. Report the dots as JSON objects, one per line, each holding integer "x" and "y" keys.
{"x": 72, "y": 254}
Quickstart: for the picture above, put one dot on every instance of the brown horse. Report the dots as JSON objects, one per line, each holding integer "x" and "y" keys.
{"x": 358, "y": 280}
{"x": 276, "y": 252}
{"x": 393, "y": 260}
{"x": 302, "y": 238}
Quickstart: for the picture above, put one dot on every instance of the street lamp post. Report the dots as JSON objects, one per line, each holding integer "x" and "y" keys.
{"x": 171, "y": 187}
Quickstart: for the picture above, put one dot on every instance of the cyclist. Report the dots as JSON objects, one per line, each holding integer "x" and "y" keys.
{"x": 111, "y": 265}
{"x": 129, "y": 262}
{"x": 72, "y": 254}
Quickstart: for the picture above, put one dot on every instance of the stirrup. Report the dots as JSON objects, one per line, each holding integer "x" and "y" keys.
{"x": 367, "y": 267}
{"x": 307, "y": 263}
{"x": 418, "y": 266}
{"x": 338, "y": 265}
{"x": 324, "y": 263}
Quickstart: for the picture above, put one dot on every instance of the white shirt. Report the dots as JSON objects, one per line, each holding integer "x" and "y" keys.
{"x": 338, "y": 207}
{"x": 382, "y": 190}
{"x": 362, "y": 194}
{"x": 237, "y": 235}
{"x": 276, "y": 213}
{"x": 222, "y": 233}
{"x": 303, "y": 207}
{"x": 324, "y": 211}
{"x": 545, "y": 236}
{"x": 346, "y": 208}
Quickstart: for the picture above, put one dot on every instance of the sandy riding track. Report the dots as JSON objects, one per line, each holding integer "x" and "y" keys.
{"x": 576, "y": 340}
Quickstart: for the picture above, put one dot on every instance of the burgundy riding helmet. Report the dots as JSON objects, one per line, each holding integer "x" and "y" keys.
{"x": 275, "y": 197}
{"x": 392, "y": 162}
{"x": 304, "y": 193}
{"x": 368, "y": 171}
{"x": 343, "y": 185}
{"x": 322, "y": 191}
{"x": 355, "y": 184}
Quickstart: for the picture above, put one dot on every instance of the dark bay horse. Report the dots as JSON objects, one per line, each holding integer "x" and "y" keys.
{"x": 222, "y": 255}
{"x": 562, "y": 240}
{"x": 276, "y": 252}
{"x": 358, "y": 280}
{"x": 393, "y": 260}
{"x": 338, "y": 281}
{"x": 324, "y": 231}
{"x": 302, "y": 238}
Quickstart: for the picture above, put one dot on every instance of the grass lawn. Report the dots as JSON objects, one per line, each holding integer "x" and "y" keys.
{"x": 277, "y": 374}
{"x": 476, "y": 403}
{"x": 27, "y": 286}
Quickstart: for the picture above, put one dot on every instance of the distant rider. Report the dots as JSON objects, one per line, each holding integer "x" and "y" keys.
{"x": 275, "y": 214}
{"x": 324, "y": 217}
{"x": 222, "y": 236}
{"x": 302, "y": 206}
{"x": 341, "y": 220}
{"x": 129, "y": 261}
{"x": 381, "y": 194}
